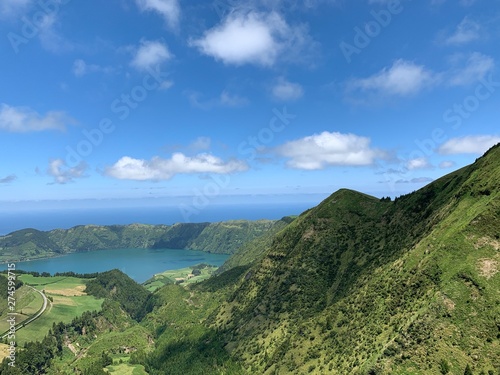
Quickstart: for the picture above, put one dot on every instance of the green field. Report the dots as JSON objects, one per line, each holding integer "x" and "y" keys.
{"x": 181, "y": 276}
{"x": 126, "y": 369}
{"x": 28, "y": 302}
{"x": 68, "y": 302}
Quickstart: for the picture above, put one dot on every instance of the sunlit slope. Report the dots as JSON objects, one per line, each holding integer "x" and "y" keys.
{"x": 357, "y": 285}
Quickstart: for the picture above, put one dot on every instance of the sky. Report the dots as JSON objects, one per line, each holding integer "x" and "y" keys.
{"x": 229, "y": 100}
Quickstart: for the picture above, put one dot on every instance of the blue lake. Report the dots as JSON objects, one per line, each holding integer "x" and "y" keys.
{"x": 139, "y": 264}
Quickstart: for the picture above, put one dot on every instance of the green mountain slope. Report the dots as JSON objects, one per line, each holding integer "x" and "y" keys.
{"x": 357, "y": 285}
{"x": 253, "y": 250}
{"x": 224, "y": 237}
{"x": 31, "y": 243}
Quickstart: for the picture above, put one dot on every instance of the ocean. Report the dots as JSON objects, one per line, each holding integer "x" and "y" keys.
{"x": 48, "y": 219}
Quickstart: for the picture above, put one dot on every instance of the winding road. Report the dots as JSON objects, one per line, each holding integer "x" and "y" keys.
{"x": 34, "y": 317}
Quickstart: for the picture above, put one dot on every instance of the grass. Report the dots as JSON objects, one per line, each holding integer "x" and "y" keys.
{"x": 172, "y": 276}
{"x": 126, "y": 369}
{"x": 60, "y": 311}
{"x": 28, "y": 302}
{"x": 69, "y": 301}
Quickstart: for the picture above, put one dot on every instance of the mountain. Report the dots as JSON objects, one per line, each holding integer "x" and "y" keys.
{"x": 356, "y": 285}
{"x": 359, "y": 285}
{"x": 223, "y": 237}
{"x": 254, "y": 249}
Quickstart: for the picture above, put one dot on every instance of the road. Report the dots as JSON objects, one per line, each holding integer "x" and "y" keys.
{"x": 36, "y": 316}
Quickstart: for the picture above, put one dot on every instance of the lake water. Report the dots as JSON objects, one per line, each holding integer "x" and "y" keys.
{"x": 139, "y": 264}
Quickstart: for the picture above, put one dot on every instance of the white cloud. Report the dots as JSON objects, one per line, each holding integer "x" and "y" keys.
{"x": 24, "y": 120}
{"x": 447, "y": 164}
{"x": 81, "y": 68}
{"x": 326, "y": 149}
{"x": 417, "y": 163}
{"x": 170, "y": 10}
{"x": 403, "y": 78}
{"x": 467, "y": 31}
{"x": 254, "y": 38}
{"x": 150, "y": 54}
{"x": 476, "y": 67}
{"x": 285, "y": 90}
{"x": 156, "y": 169}
{"x": 473, "y": 144}
{"x": 62, "y": 174}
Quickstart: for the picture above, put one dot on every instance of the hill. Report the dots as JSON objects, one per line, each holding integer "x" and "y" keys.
{"x": 359, "y": 285}
{"x": 224, "y": 237}
{"x": 356, "y": 285}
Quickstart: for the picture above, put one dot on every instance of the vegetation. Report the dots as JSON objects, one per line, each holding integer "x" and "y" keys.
{"x": 115, "y": 285}
{"x": 67, "y": 301}
{"x": 225, "y": 238}
{"x": 184, "y": 276}
{"x": 356, "y": 285}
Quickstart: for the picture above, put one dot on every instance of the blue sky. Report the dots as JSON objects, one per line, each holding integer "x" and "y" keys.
{"x": 233, "y": 100}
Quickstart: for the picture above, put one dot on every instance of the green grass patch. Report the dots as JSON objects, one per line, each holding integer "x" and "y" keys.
{"x": 126, "y": 369}
{"x": 68, "y": 302}
{"x": 60, "y": 311}
{"x": 183, "y": 276}
{"x": 28, "y": 302}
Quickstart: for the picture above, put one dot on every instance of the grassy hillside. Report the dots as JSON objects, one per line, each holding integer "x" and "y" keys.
{"x": 116, "y": 286}
{"x": 223, "y": 237}
{"x": 357, "y": 285}
{"x": 363, "y": 286}
{"x": 254, "y": 249}
{"x": 27, "y": 243}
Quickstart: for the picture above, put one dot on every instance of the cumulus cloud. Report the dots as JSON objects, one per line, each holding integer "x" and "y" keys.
{"x": 170, "y": 10}
{"x": 8, "y": 179}
{"x": 63, "y": 174}
{"x": 158, "y": 168}
{"x": 467, "y": 31}
{"x": 319, "y": 151}
{"x": 24, "y": 120}
{"x": 149, "y": 54}
{"x": 417, "y": 163}
{"x": 285, "y": 90}
{"x": 476, "y": 67}
{"x": 253, "y": 38}
{"x": 403, "y": 78}
{"x": 473, "y": 144}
